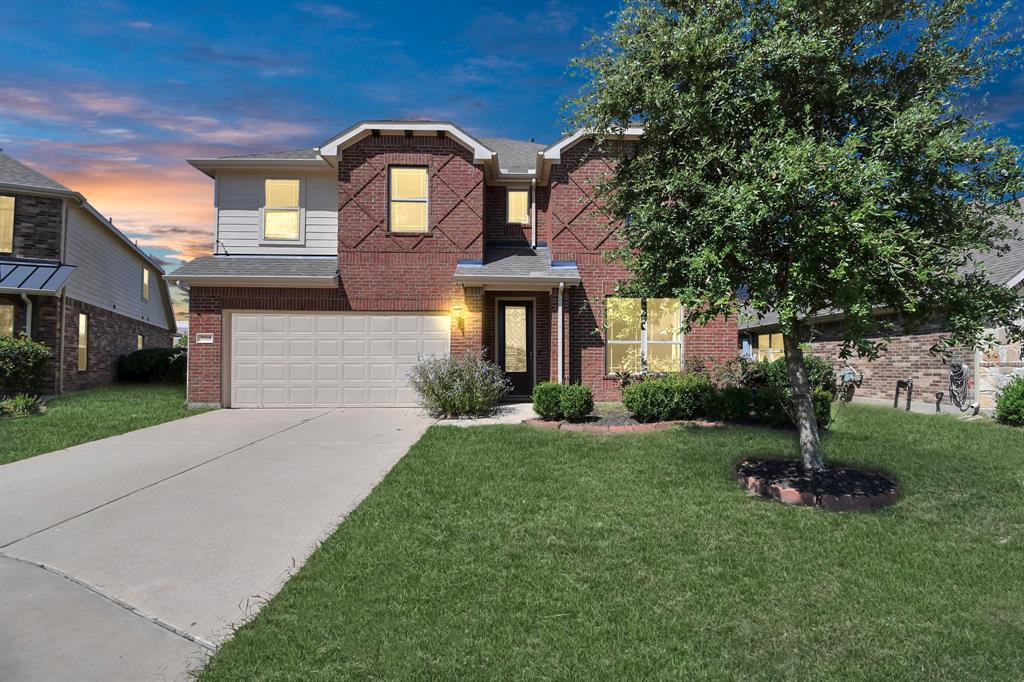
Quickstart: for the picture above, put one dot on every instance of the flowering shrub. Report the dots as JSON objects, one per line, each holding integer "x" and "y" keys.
{"x": 450, "y": 386}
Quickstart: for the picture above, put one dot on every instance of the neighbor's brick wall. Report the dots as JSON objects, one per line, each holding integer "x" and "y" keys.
{"x": 907, "y": 357}
{"x": 111, "y": 335}
{"x": 37, "y": 226}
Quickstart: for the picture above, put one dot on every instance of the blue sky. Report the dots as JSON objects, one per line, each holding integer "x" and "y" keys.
{"x": 110, "y": 97}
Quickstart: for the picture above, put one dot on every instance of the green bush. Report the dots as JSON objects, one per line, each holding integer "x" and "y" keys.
{"x": 577, "y": 402}
{"x": 451, "y": 386}
{"x": 820, "y": 373}
{"x": 149, "y": 365}
{"x": 734, "y": 404}
{"x": 21, "y": 405}
{"x": 676, "y": 396}
{"x": 547, "y": 400}
{"x": 23, "y": 365}
{"x": 768, "y": 406}
{"x": 1010, "y": 403}
{"x": 822, "y": 400}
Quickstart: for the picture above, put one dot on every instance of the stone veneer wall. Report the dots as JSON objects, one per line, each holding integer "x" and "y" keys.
{"x": 997, "y": 367}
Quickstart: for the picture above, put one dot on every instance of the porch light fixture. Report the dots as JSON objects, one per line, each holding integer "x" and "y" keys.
{"x": 458, "y": 317}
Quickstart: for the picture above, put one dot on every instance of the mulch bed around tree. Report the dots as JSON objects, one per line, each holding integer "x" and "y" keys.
{"x": 835, "y": 489}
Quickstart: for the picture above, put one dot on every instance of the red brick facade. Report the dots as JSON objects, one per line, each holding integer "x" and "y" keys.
{"x": 381, "y": 271}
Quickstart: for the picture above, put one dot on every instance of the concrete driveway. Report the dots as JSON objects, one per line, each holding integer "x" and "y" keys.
{"x": 132, "y": 557}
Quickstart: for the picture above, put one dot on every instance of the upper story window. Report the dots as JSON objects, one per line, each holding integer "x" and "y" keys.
{"x": 281, "y": 212}
{"x": 643, "y": 334}
{"x": 408, "y": 204}
{"x": 519, "y": 206}
{"x": 6, "y": 224}
{"x": 145, "y": 284}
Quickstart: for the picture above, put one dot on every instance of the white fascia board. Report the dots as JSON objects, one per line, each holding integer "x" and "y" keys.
{"x": 210, "y": 166}
{"x": 554, "y": 152}
{"x": 481, "y": 154}
{"x": 253, "y": 281}
{"x": 1016, "y": 280}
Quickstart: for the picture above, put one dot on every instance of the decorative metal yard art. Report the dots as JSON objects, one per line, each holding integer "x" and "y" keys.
{"x": 849, "y": 381}
{"x": 901, "y": 384}
{"x": 959, "y": 384}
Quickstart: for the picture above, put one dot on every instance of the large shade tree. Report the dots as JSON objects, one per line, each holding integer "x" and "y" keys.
{"x": 816, "y": 155}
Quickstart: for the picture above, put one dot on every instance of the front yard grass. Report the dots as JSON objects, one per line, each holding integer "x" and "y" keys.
{"x": 506, "y": 552}
{"x": 90, "y": 415}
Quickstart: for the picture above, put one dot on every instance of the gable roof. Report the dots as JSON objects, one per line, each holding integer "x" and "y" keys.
{"x": 361, "y": 129}
{"x": 16, "y": 174}
{"x": 514, "y": 156}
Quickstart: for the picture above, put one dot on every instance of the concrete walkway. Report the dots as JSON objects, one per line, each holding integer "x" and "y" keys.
{"x": 132, "y": 557}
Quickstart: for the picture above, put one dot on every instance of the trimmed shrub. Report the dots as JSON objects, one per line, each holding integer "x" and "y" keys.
{"x": 822, "y": 400}
{"x": 23, "y": 365}
{"x": 1010, "y": 403}
{"x": 676, "y": 396}
{"x": 21, "y": 405}
{"x": 734, "y": 404}
{"x": 547, "y": 400}
{"x": 450, "y": 386}
{"x": 577, "y": 402}
{"x": 150, "y": 365}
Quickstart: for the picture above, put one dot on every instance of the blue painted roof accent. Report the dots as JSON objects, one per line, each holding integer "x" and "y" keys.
{"x": 470, "y": 263}
{"x": 28, "y": 275}
{"x": 563, "y": 264}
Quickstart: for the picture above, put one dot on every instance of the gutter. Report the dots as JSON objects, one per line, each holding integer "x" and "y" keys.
{"x": 257, "y": 281}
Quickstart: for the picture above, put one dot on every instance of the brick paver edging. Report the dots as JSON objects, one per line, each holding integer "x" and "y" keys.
{"x": 622, "y": 428}
{"x": 757, "y": 485}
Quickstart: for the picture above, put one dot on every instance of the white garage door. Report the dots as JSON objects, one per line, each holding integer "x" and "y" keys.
{"x": 329, "y": 359}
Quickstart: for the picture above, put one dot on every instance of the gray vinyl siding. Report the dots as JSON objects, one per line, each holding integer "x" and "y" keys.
{"x": 108, "y": 273}
{"x": 239, "y": 196}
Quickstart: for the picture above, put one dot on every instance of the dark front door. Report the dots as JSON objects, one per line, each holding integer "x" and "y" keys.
{"x": 515, "y": 344}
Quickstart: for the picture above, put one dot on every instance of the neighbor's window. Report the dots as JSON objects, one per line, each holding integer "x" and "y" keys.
{"x": 6, "y": 224}
{"x": 138, "y": 342}
{"x": 281, "y": 219}
{"x": 83, "y": 342}
{"x": 6, "y": 320}
{"x": 145, "y": 284}
{"x": 408, "y": 199}
{"x": 643, "y": 334}
{"x": 519, "y": 206}
{"x": 769, "y": 347}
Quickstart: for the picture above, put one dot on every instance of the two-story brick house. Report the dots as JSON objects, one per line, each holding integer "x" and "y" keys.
{"x": 72, "y": 281}
{"x": 336, "y": 267}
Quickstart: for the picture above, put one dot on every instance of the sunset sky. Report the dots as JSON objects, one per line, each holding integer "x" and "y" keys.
{"x": 110, "y": 97}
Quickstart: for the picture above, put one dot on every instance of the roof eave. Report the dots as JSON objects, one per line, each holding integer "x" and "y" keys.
{"x": 313, "y": 282}
{"x": 569, "y": 278}
{"x": 351, "y": 135}
{"x": 210, "y": 166}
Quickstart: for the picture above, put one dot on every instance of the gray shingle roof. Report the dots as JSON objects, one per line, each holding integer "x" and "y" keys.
{"x": 243, "y": 267}
{"x": 293, "y": 154}
{"x": 23, "y": 275}
{"x": 514, "y": 156}
{"x": 504, "y": 263}
{"x": 14, "y": 172}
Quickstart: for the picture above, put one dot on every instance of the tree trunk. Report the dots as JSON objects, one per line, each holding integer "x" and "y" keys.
{"x": 803, "y": 406}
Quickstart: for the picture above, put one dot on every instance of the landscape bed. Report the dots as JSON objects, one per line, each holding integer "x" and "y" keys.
{"x": 505, "y": 552}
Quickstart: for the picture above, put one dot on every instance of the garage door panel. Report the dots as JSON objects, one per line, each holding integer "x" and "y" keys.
{"x": 329, "y": 359}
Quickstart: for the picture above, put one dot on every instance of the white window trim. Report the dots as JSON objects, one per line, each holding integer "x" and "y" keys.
{"x": 643, "y": 339}
{"x": 301, "y": 241}
{"x": 508, "y": 205}
{"x": 426, "y": 229}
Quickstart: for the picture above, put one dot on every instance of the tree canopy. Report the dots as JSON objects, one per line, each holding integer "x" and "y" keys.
{"x": 817, "y": 155}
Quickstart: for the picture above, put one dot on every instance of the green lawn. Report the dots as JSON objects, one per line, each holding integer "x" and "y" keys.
{"x": 506, "y": 552}
{"x": 90, "y": 415}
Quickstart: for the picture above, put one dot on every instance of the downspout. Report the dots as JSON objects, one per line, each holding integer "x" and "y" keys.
{"x": 561, "y": 288}
{"x": 533, "y": 213}
{"x": 60, "y": 361}
{"x": 28, "y": 315}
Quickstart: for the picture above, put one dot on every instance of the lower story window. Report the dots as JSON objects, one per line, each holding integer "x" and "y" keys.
{"x": 643, "y": 335}
{"x": 769, "y": 347}
{"x": 6, "y": 319}
{"x": 83, "y": 342}
{"x": 139, "y": 341}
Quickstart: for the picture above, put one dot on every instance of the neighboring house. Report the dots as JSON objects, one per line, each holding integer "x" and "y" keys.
{"x": 907, "y": 356}
{"x": 336, "y": 267}
{"x": 71, "y": 280}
